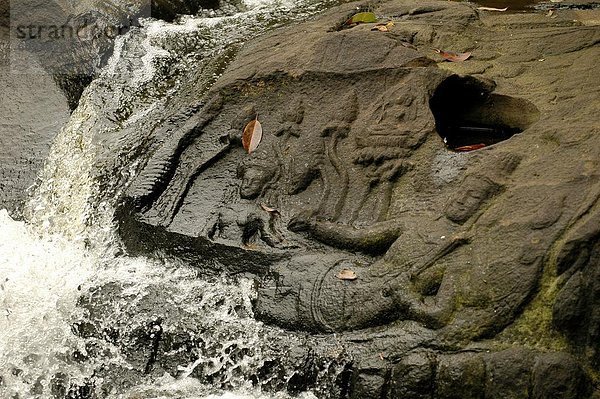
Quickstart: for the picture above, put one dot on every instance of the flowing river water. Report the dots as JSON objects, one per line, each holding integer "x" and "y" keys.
{"x": 52, "y": 263}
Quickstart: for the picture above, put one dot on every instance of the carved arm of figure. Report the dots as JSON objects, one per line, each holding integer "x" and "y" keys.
{"x": 374, "y": 239}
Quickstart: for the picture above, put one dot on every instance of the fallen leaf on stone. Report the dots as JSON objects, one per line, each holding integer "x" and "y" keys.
{"x": 269, "y": 209}
{"x": 252, "y": 135}
{"x": 492, "y": 9}
{"x": 472, "y": 147}
{"x": 383, "y": 27}
{"x": 551, "y": 13}
{"x": 452, "y": 56}
{"x": 380, "y": 28}
{"x": 408, "y": 45}
{"x": 362, "y": 18}
{"x": 346, "y": 274}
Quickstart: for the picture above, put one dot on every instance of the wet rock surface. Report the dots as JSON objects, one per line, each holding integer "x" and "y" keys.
{"x": 56, "y": 50}
{"x": 475, "y": 271}
{"x": 354, "y": 160}
{"x": 33, "y": 110}
{"x": 73, "y": 41}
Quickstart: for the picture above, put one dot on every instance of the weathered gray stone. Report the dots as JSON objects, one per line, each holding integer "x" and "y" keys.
{"x": 575, "y": 311}
{"x": 353, "y": 138}
{"x": 508, "y": 374}
{"x": 460, "y": 376}
{"x": 558, "y": 375}
{"x": 413, "y": 377}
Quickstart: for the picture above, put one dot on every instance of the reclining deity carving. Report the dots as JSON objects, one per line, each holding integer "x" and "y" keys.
{"x": 346, "y": 178}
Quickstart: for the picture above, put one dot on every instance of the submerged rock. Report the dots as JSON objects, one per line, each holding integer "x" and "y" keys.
{"x": 457, "y": 255}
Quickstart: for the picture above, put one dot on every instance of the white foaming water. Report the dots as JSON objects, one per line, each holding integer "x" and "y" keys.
{"x": 42, "y": 279}
{"x": 69, "y": 247}
{"x": 38, "y": 294}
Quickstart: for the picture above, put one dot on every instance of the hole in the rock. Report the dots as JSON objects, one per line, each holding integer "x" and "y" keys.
{"x": 469, "y": 116}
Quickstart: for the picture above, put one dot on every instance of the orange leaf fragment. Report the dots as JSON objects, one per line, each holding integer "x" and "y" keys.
{"x": 252, "y": 135}
{"x": 268, "y": 209}
{"x": 383, "y": 27}
{"x": 492, "y": 9}
{"x": 452, "y": 56}
{"x": 346, "y": 274}
{"x": 471, "y": 147}
{"x": 380, "y": 28}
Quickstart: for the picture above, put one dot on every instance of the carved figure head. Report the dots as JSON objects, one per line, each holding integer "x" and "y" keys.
{"x": 255, "y": 177}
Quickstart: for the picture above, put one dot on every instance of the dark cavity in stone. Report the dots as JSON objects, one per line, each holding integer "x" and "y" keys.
{"x": 467, "y": 113}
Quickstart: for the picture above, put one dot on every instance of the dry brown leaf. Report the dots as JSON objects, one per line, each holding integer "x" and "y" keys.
{"x": 380, "y": 28}
{"x": 346, "y": 274}
{"x": 492, "y": 9}
{"x": 252, "y": 135}
{"x": 452, "y": 56}
{"x": 268, "y": 209}
{"x": 472, "y": 147}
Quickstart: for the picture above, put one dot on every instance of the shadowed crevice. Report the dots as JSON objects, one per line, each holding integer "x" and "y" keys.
{"x": 468, "y": 115}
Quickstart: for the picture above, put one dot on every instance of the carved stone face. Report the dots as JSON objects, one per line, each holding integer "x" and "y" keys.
{"x": 254, "y": 179}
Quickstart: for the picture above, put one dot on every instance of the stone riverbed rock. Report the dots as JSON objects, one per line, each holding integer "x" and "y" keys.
{"x": 463, "y": 196}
